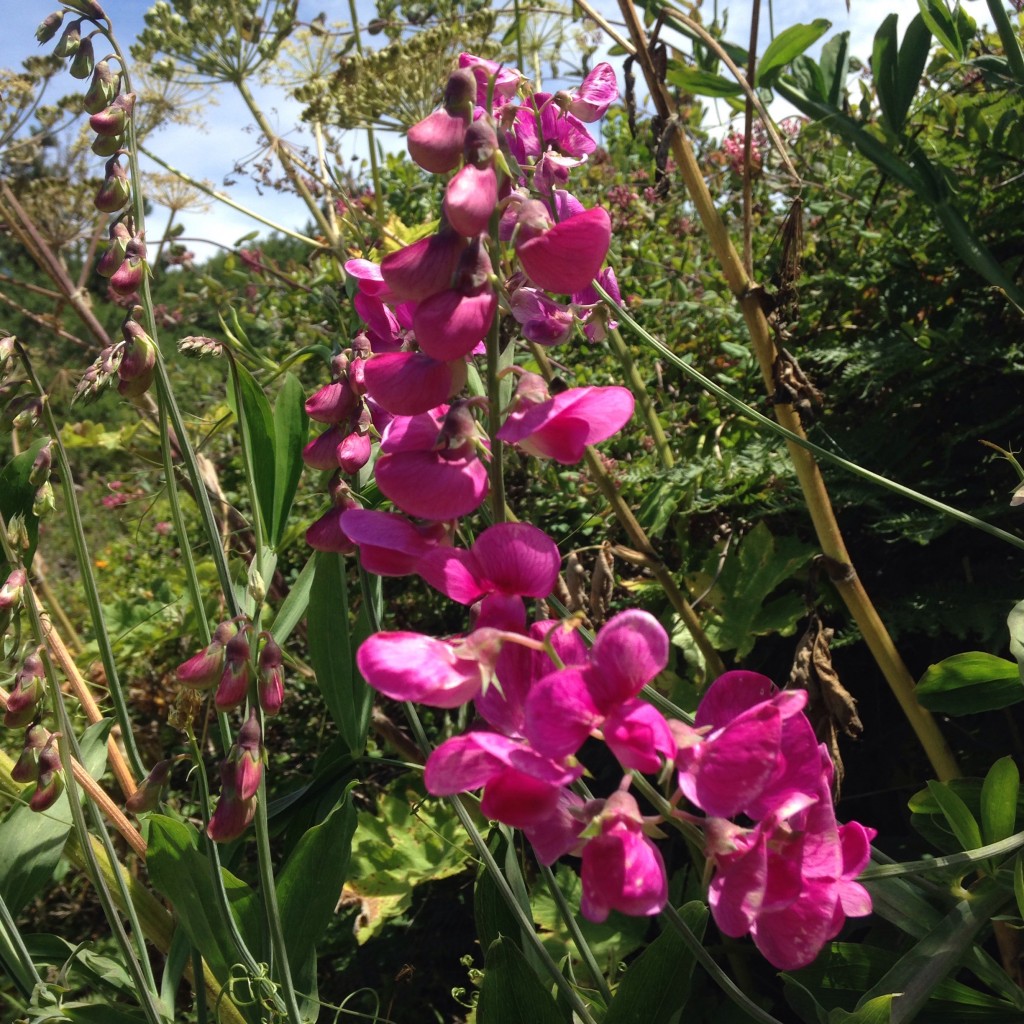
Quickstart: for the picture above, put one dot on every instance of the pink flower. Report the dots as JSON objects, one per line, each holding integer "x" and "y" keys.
{"x": 327, "y": 534}
{"x": 429, "y": 465}
{"x": 411, "y": 666}
{"x": 563, "y": 257}
{"x": 558, "y": 833}
{"x": 543, "y": 320}
{"x": 595, "y": 95}
{"x": 435, "y": 143}
{"x": 597, "y": 327}
{"x": 204, "y": 669}
{"x": 506, "y": 80}
{"x": 622, "y": 868}
{"x": 563, "y": 131}
{"x": 425, "y": 267}
{"x": 390, "y": 545}
{"x": 521, "y": 787}
{"x": 410, "y": 383}
{"x": 560, "y": 428}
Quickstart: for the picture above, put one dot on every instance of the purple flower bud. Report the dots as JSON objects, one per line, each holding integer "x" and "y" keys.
{"x": 49, "y": 783}
{"x": 233, "y": 814}
{"x": 102, "y": 146}
{"x": 248, "y": 758}
{"x": 333, "y": 403}
{"x": 26, "y": 769}
{"x": 147, "y": 796}
{"x": 114, "y": 119}
{"x": 84, "y": 61}
{"x": 128, "y": 277}
{"x": 270, "y": 676}
{"x": 115, "y": 191}
{"x": 204, "y": 669}
{"x": 353, "y": 452}
{"x": 48, "y": 27}
{"x": 10, "y": 592}
{"x": 40, "y": 471}
{"x": 115, "y": 254}
{"x": 234, "y": 681}
{"x": 43, "y": 502}
{"x": 89, "y": 8}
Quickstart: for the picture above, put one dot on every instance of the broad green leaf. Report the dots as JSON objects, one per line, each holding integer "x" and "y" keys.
{"x": 291, "y": 425}
{"x": 835, "y": 60}
{"x": 999, "y": 801}
{"x": 182, "y": 873}
{"x": 657, "y": 985}
{"x": 17, "y": 494}
{"x": 702, "y": 83}
{"x": 884, "y": 66}
{"x": 955, "y": 811}
{"x": 917, "y": 42}
{"x": 874, "y": 1011}
{"x": 945, "y": 26}
{"x": 809, "y": 79}
{"x": 787, "y": 46}
{"x": 968, "y": 683}
{"x": 100, "y": 1013}
{"x": 259, "y": 439}
{"x": 511, "y": 993}
{"x": 332, "y": 651}
{"x": 491, "y": 913}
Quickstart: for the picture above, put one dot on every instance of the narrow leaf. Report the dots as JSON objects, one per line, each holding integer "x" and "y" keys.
{"x": 17, "y": 494}
{"x": 969, "y": 683}
{"x": 884, "y": 63}
{"x": 957, "y": 814}
{"x": 999, "y": 801}
{"x": 657, "y": 985}
{"x": 259, "y": 440}
{"x": 943, "y": 25}
{"x": 702, "y": 83}
{"x": 917, "y": 42}
{"x": 787, "y": 46}
{"x": 835, "y": 60}
{"x": 291, "y": 425}
{"x": 293, "y": 607}
{"x": 511, "y": 993}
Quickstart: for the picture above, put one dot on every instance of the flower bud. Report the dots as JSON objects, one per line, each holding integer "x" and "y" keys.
{"x": 43, "y": 502}
{"x": 114, "y": 119}
{"x": 27, "y": 692}
{"x": 103, "y": 146}
{"x": 6, "y": 351}
{"x": 84, "y": 61}
{"x": 115, "y": 191}
{"x": 89, "y": 8}
{"x": 204, "y": 669}
{"x": 234, "y": 681}
{"x": 138, "y": 365}
{"x": 48, "y": 27}
{"x": 26, "y": 768}
{"x": 48, "y": 793}
{"x": 70, "y": 40}
{"x": 233, "y": 814}
{"x": 270, "y": 676}
{"x": 24, "y": 412}
{"x": 102, "y": 89}
{"x": 112, "y": 259}
{"x": 147, "y": 796}
{"x": 353, "y": 452}
{"x": 10, "y": 592}
{"x": 200, "y": 346}
{"x": 40, "y": 471}
{"x": 248, "y": 758}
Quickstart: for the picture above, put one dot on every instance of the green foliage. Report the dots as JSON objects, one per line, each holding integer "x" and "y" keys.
{"x": 969, "y": 683}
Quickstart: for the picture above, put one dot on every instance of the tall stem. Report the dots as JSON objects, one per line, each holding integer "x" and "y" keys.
{"x": 371, "y": 138}
{"x": 816, "y": 495}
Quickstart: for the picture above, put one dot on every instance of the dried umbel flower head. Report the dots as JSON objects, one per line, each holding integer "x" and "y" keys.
{"x": 198, "y": 346}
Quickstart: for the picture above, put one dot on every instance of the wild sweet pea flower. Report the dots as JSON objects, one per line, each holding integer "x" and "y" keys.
{"x": 561, "y": 427}
{"x": 564, "y": 707}
{"x": 521, "y": 788}
{"x": 563, "y": 257}
{"x": 472, "y": 194}
{"x": 542, "y": 320}
{"x": 429, "y": 465}
{"x": 562, "y": 131}
{"x": 424, "y": 267}
{"x": 389, "y": 544}
{"x": 435, "y": 143}
{"x": 596, "y": 94}
{"x": 750, "y": 747}
{"x": 412, "y": 383}
{"x": 597, "y": 327}
{"x": 558, "y": 833}
{"x": 327, "y": 533}
{"x": 506, "y": 80}
{"x": 622, "y": 869}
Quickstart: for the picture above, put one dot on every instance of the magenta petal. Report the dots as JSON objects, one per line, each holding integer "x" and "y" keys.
{"x": 560, "y": 713}
{"x": 327, "y": 534}
{"x": 470, "y": 199}
{"x": 389, "y": 545}
{"x": 622, "y": 870}
{"x": 517, "y": 558}
{"x": 595, "y": 95}
{"x": 638, "y": 735}
{"x": 407, "y": 383}
{"x": 559, "y": 832}
{"x": 567, "y": 257}
{"x": 354, "y": 452}
{"x": 423, "y": 268}
{"x": 435, "y": 143}
{"x": 792, "y": 938}
{"x": 322, "y": 452}
{"x": 730, "y": 695}
{"x": 410, "y": 666}
{"x": 464, "y": 763}
{"x": 333, "y": 403}
{"x": 433, "y": 485}
{"x": 449, "y": 325}
{"x": 453, "y": 572}
{"x": 629, "y": 651}
{"x": 368, "y": 274}
{"x": 519, "y": 799}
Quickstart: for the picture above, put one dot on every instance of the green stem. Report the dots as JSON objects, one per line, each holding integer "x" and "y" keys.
{"x": 1008, "y": 37}
{"x": 643, "y": 397}
{"x": 378, "y": 195}
{"x": 92, "y": 594}
{"x": 23, "y": 972}
{"x": 581, "y": 944}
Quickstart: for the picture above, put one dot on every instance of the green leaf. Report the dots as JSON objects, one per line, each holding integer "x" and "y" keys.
{"x": 511, "y": 993}
{"x": 702, "y": 83}
{"x": 180, "y": 872}
{"x": 999, "y": 801}
{"x": 31, "y": 845}
{"x": 259, "y": 439}
{"x": 945, "y": 26}
{"x": 884, "y": 65}
{"x": 1015, "y": 624}
{"x": 786, "y": 47}
{"x": 955, "y": 811}
{"x": 917, "y": 42}
{"x": 970, "y": 682}
{"x": 657, "y": 985}
{"x": 835, "y": 60}
{"x": 332, "y": 651}
{"x": 293, "y": 607}
{"x": 291, "y": 425}
{"x": 1018, "y": 883}
{"x": 874, "y": 1011}
{"x": 491, "y": 913}
{"x": 17, "y": 494}
{"x": 310, "y": 882}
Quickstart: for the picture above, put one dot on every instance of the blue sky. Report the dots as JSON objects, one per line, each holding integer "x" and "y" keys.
{"x": 229, "y": 137}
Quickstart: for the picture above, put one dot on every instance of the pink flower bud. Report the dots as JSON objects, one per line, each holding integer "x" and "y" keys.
{"x": 435, "y": 143}
{"x": 204, "y": 669}
{"x": 353, "y": 452}
{"x": 470, "y": 199}
{"x": 147, "y": 795}
{"x": 248, "y": 758}
{"x": 322, "y": 452}
{"x": 234, "y": 681}
{"x": 115, "y": 191}
{"x": 114, "y": 119}
{"x": 114, "y": 256}
{"x": 49, "y": 783}
{"x": 26, "y": 768}
{"x": 102, "y": 89}
{"x": 270, "y": 676}
{"x": 333, "y": 403}
{"x": 48, "y": 27}
{"x": 233, "y": 814}
{"x": 10, "y": 592}
{"x": 89, "y": 8}
{"x": 107, "y": 146}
